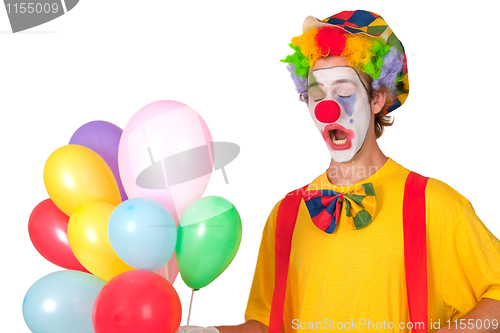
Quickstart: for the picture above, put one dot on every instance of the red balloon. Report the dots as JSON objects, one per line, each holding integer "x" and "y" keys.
{"x": 137, "y": 301}
{"x": 48, "y": 229}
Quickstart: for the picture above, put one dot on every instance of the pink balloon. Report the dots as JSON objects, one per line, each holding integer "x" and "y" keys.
{"x": 166, "y": 154}
{"x": 170, "y": 270}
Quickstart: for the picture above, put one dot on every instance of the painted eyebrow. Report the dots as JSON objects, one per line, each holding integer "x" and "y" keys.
{"x": 343, "y": 81}
{"x": 339, "y": 81}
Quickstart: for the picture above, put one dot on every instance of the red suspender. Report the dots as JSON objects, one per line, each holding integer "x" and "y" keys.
{"x": 415, "y": 241}
{"x": 285, "y": 223}
{"x": 415, "y": 248}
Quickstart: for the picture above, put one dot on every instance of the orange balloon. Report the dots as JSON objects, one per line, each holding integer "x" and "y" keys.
{"x": 74, "y": 175}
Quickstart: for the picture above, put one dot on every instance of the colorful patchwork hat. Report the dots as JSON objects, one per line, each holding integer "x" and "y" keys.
{"x": 373, "y": 25}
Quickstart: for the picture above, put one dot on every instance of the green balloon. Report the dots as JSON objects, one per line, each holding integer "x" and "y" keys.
{"x": 208, "y": 238}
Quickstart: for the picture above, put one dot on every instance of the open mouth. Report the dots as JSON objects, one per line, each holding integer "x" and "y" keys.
{"x": 337, "y": 136}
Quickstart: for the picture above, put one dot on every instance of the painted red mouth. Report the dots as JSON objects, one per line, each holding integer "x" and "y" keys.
{"x": 337, "y": 136}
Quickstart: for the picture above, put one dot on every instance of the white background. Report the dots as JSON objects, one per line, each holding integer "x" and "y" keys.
{"x": 104, "y": 60}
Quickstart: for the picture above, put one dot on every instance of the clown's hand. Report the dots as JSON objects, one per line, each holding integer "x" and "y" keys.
{"x": 197, "y": 329}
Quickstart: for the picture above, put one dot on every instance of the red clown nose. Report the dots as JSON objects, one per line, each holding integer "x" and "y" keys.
{"x": 327, "y": 111}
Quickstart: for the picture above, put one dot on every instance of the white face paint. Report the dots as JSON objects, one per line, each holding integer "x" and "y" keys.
{"x": 339, "y": 107}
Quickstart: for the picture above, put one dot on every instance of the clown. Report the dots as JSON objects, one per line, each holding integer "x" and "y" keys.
{"x": 381, "y": 245}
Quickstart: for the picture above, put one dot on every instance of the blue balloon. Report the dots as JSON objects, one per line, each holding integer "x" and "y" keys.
{"x": 62, "y": 302}
{"x": 143, "y": 233}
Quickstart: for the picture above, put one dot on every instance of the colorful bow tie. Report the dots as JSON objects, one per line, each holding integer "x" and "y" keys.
{"x": 325, "y": 206}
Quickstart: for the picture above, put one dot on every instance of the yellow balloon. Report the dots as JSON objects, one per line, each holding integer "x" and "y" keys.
{"x": 75, "y": 174}
{"x": 88, "y": 238}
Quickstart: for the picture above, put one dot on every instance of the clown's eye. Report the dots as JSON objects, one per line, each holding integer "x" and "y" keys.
{"x": 347, "y": 96}
{"x": 316, "y": 93}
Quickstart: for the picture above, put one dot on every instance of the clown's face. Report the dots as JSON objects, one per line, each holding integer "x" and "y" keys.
{"x": 339, "y": 106}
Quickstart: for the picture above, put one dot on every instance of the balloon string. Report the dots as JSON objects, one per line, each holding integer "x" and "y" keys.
{"x": 189, "y": 313}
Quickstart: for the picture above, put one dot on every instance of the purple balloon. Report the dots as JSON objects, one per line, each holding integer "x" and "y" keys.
{"x": 103, "y": 138}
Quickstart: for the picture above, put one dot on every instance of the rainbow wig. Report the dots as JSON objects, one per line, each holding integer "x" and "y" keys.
{"x": 370, "y": 54}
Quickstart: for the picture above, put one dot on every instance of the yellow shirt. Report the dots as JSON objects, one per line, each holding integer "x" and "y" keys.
{"x": 351, "y": 277}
